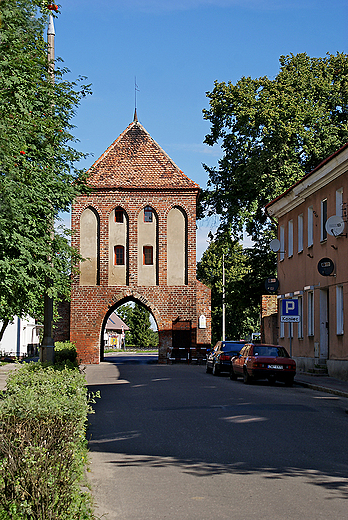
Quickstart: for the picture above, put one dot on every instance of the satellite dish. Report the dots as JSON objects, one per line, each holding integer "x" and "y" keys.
{"x": 334, "y": 225}
{"x": 274, "y": 245}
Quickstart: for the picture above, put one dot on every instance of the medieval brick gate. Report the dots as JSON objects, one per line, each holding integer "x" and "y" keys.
{"x": 137, "y": 232}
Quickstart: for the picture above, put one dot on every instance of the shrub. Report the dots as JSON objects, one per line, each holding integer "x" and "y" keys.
{"x": 65, "y": 352}
{"x": 43, "y": 446}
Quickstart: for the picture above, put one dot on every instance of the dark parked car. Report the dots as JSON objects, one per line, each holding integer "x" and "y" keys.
{"x": 219, "y": 360}
{"x": 257, "y": 361}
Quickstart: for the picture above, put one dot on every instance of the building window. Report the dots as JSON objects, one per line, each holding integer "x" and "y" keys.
{"x": 300, "y": 313}
{"x": 290, "y": 238}
{"x": 290, "y": 330}
{"x": 300, "y": 233}
{"x": 148, "y": 214}
{"x": 323, "y": 219}
{"x": 119, "y": 215}
{"x": 282, "y": 242}
{"x": 339, "y": 202}
{"x": 310, "y": 226}
{"x": 148, "y": 255}
{"x": 282, "y": 324}
{"x": 119, "y": 255}
{"x": 339, "y": 310}
{"x": 310, "y": 313}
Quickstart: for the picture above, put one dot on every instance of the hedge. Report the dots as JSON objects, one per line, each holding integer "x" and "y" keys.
{"x": 43, "y": 447}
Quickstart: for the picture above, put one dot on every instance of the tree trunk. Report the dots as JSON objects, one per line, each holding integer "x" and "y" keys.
{"x": 3, "y": 328}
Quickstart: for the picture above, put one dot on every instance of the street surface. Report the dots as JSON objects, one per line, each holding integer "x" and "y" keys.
{"x": 172, "y": 442}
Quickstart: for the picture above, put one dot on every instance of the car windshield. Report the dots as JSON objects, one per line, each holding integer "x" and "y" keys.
{"x": 231, "y": 346}
{"x": 270, "y": 351}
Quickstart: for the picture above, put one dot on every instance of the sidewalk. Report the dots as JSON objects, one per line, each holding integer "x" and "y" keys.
{"x": 4, "y": 372}
{"x": 322, "y": 384}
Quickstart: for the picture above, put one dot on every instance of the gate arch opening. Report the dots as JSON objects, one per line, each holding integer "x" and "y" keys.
{"x": 138, "y": 318}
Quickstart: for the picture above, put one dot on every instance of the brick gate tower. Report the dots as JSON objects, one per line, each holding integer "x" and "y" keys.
{"x": 137, "y": 232}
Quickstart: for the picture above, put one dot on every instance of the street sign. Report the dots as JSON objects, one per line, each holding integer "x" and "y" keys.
{"x": 289, "y": 311}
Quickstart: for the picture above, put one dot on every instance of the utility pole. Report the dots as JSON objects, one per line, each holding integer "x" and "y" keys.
{"x": 47, "y": 345}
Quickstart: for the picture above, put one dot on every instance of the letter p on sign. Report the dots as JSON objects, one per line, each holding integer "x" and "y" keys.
{"x": 290, "y": 307}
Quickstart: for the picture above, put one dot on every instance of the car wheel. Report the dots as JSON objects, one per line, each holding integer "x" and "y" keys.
{"x": 289, "y": 382}
{"x": 216, "y": 370}
{"x": 246, "y": 377}
{"x": 233, "y": 376}
{"x": 271, "y": 380}
{"x": 207, "y": 369}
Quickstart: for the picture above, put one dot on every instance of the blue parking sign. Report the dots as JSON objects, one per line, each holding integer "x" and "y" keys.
{"x": 290, "y": 311}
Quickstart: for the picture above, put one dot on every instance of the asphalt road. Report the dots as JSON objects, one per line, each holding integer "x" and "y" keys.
{"x": 172, "y": 442}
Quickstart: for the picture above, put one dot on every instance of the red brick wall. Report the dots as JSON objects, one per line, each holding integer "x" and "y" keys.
{"x": 89, "y": 305}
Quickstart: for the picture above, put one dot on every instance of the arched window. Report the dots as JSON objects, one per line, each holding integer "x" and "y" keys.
{"x": 148, "y": 214}
{"x": 119, "y": 215}
{"x": 119, "y": 255}
{"x": 148, "y": 255}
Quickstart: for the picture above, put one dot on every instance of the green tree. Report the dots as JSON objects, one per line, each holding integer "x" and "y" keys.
{"x": 244, "y": 283}
{"x": 272, "y": 132}
{"x": 38, "y": 173}
{"x": 137, "y": 317}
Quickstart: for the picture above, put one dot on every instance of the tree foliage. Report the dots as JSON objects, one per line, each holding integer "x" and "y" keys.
{"x": 137, "y": 318}
{"x": 272, "y": 132}
{"x": 245, "y": 272}
{"x": 38, "y": 176}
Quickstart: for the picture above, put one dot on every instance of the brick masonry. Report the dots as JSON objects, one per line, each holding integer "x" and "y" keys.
{"x": 133, "y": 173}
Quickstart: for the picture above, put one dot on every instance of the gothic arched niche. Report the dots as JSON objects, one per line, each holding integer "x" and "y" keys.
{"x": 176, "y": 247}
{"x": 89, "y": 247}
{"x": 147, "y": 247}
{"x": 118, "y": 242}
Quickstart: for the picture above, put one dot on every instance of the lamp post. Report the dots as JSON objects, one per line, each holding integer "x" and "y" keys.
{"x": 223, "y": 300}
{"x": 47, "y": 345}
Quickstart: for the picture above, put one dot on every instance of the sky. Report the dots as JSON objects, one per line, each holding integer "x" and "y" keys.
{"x": 176, "y": 49}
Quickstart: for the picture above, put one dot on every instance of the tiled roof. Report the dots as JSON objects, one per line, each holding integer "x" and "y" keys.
{"x": 115, "y": 323}
{"x": 136, "y": 161}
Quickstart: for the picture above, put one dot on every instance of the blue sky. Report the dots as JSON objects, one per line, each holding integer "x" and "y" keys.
{"x": 176, "y": 49}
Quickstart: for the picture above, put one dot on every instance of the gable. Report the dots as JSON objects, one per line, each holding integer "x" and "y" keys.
{"x": 136, "y": 161}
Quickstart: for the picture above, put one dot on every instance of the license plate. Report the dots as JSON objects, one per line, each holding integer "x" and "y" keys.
{"x": 277, "y": 367}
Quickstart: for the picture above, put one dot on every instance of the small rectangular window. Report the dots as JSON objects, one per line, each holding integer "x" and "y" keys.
{"x": 339, "y": 310}
{"x": 323, "y": 219}
{"x": 310, "y": 226}
{"x": 119, "y": 255}
{"x": 119, "y": 215}
{"x": 282, "y": 242}
{"x": 310, "y": 313}
{"x": 339, "y": 202}
{"x": 290, "y": 238}
{"x": 282, "y": 324}
{"x": 300, "y": 233}
{"x": 148, "y": 255}
{"x": 148, "y": 214}
{"x": 300, "y": 323}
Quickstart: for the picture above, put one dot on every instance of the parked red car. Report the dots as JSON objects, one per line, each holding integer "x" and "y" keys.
{"x": 257, "y": 361}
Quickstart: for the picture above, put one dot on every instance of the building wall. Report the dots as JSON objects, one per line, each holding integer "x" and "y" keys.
{"x": 17, "y": 336}
{"x": 323, "y": 339}
{"x": 91, "y": 304}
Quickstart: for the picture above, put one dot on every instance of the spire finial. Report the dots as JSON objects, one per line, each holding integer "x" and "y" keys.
{"x": 136, "y": 89}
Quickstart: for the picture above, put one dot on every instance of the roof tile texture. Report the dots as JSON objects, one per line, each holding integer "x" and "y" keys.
{"x": 135, "y": 160}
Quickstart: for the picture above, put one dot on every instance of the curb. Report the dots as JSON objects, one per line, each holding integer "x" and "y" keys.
{"x": 320, "y": 388}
